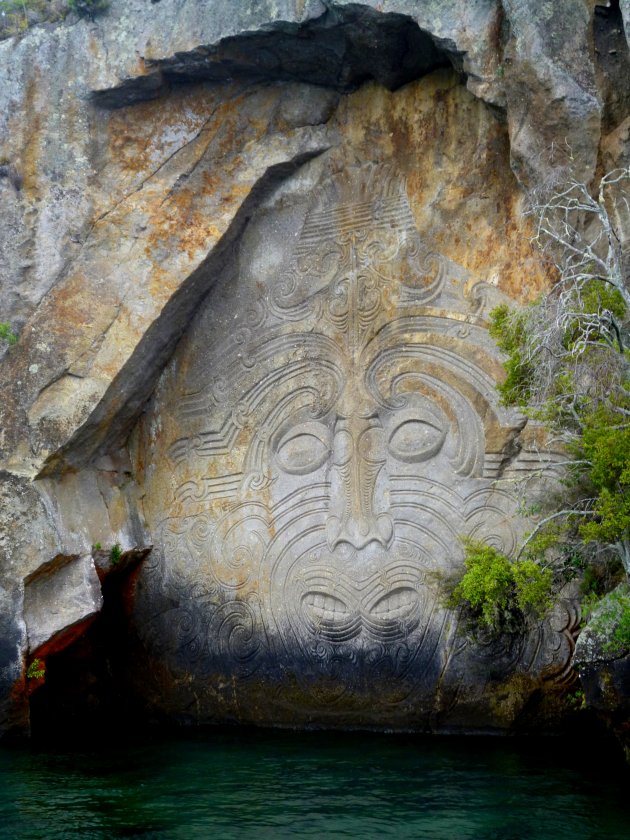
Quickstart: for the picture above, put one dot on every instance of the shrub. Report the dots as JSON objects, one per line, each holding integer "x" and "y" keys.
{"x": 500, "y": 593}
{"x": 115, "y": 553}
{"x": 567, "y": 365}
{"x": 7, "y": 334}
{"x": 508, "y": 329}
{"x": 36, "y": 670}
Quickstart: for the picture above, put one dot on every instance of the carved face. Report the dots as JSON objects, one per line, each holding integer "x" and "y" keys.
{"x": 327, "y": 454}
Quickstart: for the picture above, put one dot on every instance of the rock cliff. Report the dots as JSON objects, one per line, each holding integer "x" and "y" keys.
{"x": 237, "y": 239}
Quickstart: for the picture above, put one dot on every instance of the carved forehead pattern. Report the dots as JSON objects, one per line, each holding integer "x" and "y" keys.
{"x": 363, "y": 313}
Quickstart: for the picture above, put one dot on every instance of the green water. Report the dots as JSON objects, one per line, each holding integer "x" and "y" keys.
{"x": 243, "y": 784}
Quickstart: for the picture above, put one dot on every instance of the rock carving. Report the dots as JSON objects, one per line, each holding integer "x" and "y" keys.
{"x": 330, "y": 450}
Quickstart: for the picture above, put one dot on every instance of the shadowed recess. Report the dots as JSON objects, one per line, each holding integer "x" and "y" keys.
{"x": 342, "y": 49}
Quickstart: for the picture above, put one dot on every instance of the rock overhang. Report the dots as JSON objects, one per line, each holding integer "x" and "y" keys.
{"x": 342, "y": 48}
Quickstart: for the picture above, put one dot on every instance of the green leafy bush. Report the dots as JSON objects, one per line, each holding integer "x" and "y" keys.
{"x": 567, "y": 366}
{"x": 500, "y": 593}
{"x": 36, "y": 670}
{"x": 7, "y": 334}
{"x": 508, "y": 329}
{"x": 115, "y": 553}
{"x": 576, "y": 701}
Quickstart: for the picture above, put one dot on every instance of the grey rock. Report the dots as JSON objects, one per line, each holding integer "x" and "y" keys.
{"x": 605, "y": 669}
{"x": 13, "y": 716}
{"x": 305, "y": 504}
{"x": 624, "y": 5}
{"x": 61, "y": 595}
{"x": 341, "y": 48}
{"x": 553, "y": 104}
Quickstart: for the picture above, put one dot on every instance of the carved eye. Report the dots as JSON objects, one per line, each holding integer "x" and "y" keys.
{"x": 416, "y": 440}
{"x": 303, "y": 449}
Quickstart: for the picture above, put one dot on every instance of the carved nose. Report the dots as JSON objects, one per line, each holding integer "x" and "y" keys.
{"x": 360, "y": 531}
{"x": 358, "y": 458}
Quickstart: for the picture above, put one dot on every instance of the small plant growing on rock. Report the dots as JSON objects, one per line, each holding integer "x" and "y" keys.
{"x": 577, "y": 701}
{"x": 499, "y": 593}
{"x": 97, "y": 546}
{"x": 36, "y": 670}
{"x": 16, "y": 16}
{"x": 7, "y": 334}
{"x": 115, "y": 554}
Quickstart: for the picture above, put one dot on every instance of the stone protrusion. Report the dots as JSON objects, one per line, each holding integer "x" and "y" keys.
{"x": 60, "y": 599}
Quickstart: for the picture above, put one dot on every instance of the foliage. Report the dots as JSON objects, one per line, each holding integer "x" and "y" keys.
{"x": 115, "y": 553}
{"x": 508, "y": 330}
{"x": 500, "y": 593}
{"x": 577, "y": 700}
{"x": 36, "y": 670}
{"x": 611, "y": 621}
{"x": 567, "y": 366}
{"x": 97, "y": 546}
{"x": 17, "y": 15}
{"x": 7, "y": 334}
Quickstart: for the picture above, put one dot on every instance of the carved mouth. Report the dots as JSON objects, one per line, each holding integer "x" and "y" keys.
{"x": 386, "y": 605}
{"x": 392, "y": 617}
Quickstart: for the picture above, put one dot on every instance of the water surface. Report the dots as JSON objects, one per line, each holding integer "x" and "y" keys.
{"x": 250, "y": 784}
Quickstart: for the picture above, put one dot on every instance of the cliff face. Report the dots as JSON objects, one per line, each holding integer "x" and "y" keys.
{"x": 252, "y": 177}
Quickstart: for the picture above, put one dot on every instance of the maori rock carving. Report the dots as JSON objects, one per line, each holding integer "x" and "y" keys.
{"x": 329, "y": 449}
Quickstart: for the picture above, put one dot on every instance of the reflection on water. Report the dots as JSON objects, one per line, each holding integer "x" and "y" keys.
{"x": 241, "y": 784}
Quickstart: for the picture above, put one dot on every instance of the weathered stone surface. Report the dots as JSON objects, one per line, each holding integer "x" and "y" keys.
{"x": 135, "y": 178}
{"x": 625, "y": 13}
{"x": 12, "y": 638}
{"x": 553, "y": 105}
{"x": 118, "y": 218}
{"x": 62, "y": 595}
{"x": 605, "y": 675}
{"x": 612, "y": 65}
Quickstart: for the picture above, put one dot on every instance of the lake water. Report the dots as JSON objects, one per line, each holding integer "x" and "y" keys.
{"x": 241, "y": 784}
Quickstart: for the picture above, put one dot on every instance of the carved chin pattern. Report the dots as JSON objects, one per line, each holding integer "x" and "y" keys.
{"x": 261, "y": 592}
{"x": 350, "y": 605}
